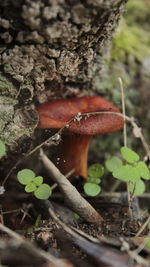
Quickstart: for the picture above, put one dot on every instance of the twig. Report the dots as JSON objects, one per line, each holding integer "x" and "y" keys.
{"x": 67, "y": 176}
{"x": 133, "y": 255}
{"x": 143, "y": 226}
{"x": 39, "y": 252}
{"x": 59, "y": 222}
{"x": 85, "y": 235}
{"x": 72, "y": 196}
{"x": 114, "y": 186}
{"x": 142, "y": 245}
{"x": 123, "y": 111}
{"x": 125, "y": 140}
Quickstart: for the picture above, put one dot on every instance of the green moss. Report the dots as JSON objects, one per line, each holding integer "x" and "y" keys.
{"x": 138, "y": 11}
{"x": 133, "y": 36}
{"x": 7, "y": 87}
{"x": 4, "y": 85}
{"x": 7, "y": 67}
{"x": 130, "y": 40}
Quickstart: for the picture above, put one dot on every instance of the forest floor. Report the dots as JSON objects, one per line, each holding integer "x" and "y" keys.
{"x": 47, "y": 233}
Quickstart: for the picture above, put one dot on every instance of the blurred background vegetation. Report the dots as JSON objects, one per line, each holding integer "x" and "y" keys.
{"x": 130, "y": 60}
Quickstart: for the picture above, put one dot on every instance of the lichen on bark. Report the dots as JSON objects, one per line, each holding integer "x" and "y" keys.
{"x": 52, "y": 49}
{"x": 13, "y": 121}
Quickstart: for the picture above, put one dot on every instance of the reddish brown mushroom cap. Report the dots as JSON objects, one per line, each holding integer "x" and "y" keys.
{"x": 56, "y": 114}
{"x": 73, "y": 149}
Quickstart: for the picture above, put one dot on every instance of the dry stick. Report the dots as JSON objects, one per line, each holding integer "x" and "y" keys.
{"x": 39, "y": 252}
{"x": 125, "y": 143}
{"x": 133, "y": 254}
{"x": 143, "y": 226}
{"x": 117, "y": 183}
{"x": 142, "y": 245}
{"x": 123, "y": 112}
{"x": 72, "y": 196}
{"x": 66, "y": 175}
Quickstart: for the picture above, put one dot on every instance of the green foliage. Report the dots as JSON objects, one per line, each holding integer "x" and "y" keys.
{"x": 76, "y": 216}
{"x": 30, "y": 187}
{"x": 130, "y": 40}
{"x": 113, "y": 163}
{"x": 36, "y": 224}
{"x": 38, "y": 180}
{"x": 25, "y": 176}
{"x": 2, "y": 149}
{"x": 43, "y": 191}
{"x": 96, "y": 170}
{"x": 131, "y": 171}
{"x": 91, "y": 186}
{"x": 143, "y": 170}
{"x": 138, "y": 12}
{"x": 137, "y": 188}
{"x": 92, "y": 189}
{"x": 34, "y": 184}
{"x": 129, "y": 155}
{"x": 126, "y": 173}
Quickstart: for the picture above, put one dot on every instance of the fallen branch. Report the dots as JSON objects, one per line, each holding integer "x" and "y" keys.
{"x": 74, "y": 200}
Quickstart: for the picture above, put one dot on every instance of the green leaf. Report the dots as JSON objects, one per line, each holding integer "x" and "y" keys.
{"x": 38, "y": 180}
{"x": 126, "y": 173}
{"x": 137, "y": 188}
{"x": 113, "y": 163}
{"x": 96, "y": 170}
{"x": 134, "y": 174}
{"x": 121, "y": 173}
{"x": 43, "y": 192}
{"x": 143, "y": 170}
{"x": 38, "y": 221}
{"x": 97, "y": 181}
{"x": 2, "y": 149}
{"x": 91, "y": 189}
{"x": 30, "y": 187}
{"x": 129, "y": 155}
{"x": 93, "y": 180}
{"x": 25, "y": 176}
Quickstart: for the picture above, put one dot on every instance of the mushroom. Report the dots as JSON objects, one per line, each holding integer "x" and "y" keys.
{"x": 74, "y": 146}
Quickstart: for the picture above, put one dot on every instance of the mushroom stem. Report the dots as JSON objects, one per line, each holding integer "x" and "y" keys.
{"x": 73, "y": 154}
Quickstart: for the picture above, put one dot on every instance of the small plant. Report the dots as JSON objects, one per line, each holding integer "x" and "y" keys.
{"x": 132, "y": 170}
{"x": 2, "y": 149}
{"x": 77, "y": 217}
{"x": 36, "y": 224}
{"x": 34, "y": 184}
{"x": 91, "y": 186}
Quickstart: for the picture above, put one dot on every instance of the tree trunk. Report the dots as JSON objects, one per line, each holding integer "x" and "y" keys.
{"x": 50, "y": 49}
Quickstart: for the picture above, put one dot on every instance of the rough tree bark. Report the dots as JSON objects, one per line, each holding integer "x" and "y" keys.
{"x": 50, "y": 49}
